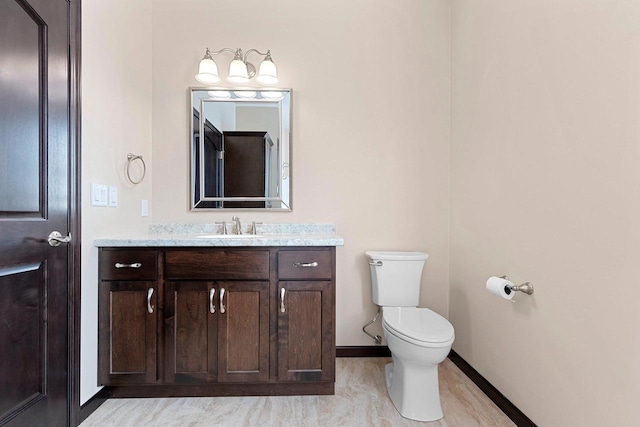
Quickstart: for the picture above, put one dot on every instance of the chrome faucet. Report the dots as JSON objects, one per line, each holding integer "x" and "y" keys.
{"x": 238, "y": 225}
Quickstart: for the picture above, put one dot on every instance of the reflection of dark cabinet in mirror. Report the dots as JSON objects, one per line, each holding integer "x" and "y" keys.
{"x": 244, "y": 166}
{"x": 235, "y": 165}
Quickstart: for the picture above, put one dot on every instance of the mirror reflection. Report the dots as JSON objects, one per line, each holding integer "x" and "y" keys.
{"x": 240, "y": 143}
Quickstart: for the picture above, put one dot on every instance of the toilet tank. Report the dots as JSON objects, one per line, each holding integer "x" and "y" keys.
{"x": 395, "y": 277}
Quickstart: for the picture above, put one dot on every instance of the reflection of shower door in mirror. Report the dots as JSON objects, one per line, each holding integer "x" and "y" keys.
{"x": 213, "y": 155}
{"x": 245, "y": 164}
{"x": 212, "y": 161}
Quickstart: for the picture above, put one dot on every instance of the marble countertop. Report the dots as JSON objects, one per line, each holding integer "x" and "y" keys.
{"x": 202, "y": 235}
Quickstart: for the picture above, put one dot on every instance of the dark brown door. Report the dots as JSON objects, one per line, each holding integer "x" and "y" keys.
{"x": 128, "y": 325}
{"x": 243, "y": 332}
{"x": 191, "y": 329}
{"x": 305, "y": 331}
{"x": 34, "y": 201}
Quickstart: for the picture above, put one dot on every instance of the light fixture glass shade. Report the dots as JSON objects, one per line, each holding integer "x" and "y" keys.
{"x": 219, "y": 93}
{"x": 238, "y": 72}
{"x": 271, "y": 94}
{"x": 267, "y": 73}
{"x": 207, "y": 72}
{"x": 245, "y": 93}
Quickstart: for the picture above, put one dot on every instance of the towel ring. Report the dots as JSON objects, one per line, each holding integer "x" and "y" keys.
{"x": 130, "y": 158}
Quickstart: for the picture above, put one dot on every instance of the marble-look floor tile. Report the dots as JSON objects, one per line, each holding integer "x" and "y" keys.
{"x": 361, "y": 399}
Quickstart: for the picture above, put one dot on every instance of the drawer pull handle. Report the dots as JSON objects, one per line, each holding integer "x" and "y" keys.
{"x": 282, "y": 310}
{"x": 149, "y": 306}
{"x": 212, "y": 307}
{"x": 305, "y": 264}
{"x": 222, "y": 309}
{"x": 132, "y": 265}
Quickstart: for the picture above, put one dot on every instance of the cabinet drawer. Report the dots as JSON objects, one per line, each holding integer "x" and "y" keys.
{"x": 220, "y": 264}
{"x": 128, "y": 265}
{"x": 305, "y": 265}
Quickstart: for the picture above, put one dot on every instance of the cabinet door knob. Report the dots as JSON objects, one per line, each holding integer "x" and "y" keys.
{"x": 222, "y": 309}
{"x": 305, "y": 264}
{"x": 282, "y": 309}
{"x": 212, "y": 307}
{"x": 149, "y": 306}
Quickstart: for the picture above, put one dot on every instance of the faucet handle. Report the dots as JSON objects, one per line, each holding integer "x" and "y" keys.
{"x": 224, "y": 226}
{"x": 238, "y": 224}
{"x": 253, "y": 227}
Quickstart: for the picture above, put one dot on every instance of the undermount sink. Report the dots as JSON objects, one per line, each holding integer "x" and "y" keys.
{"x": 227, "y": 236}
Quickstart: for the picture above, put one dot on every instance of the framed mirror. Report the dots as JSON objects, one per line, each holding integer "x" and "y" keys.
{"x": 240, "y": 149}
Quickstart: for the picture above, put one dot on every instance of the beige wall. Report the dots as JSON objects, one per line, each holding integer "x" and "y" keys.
{"x": 116, "y": 120}
{"x": 370, "y": 125}
{"x": 545, "y": 187}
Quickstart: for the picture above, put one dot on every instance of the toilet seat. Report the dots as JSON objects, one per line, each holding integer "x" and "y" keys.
{"x": 419, "y": 326}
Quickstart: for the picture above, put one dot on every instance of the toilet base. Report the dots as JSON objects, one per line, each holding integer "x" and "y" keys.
{"x": 414, "y": 390}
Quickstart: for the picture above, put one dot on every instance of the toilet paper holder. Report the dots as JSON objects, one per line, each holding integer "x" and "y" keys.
{"x": 526, "y": 287}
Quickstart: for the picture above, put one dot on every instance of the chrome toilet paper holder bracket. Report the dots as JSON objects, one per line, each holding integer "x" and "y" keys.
{"x": 526, "y": 287}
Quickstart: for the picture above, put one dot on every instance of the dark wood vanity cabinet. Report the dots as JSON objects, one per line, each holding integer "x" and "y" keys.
{"x": 191, "y": 333}
{"x": 228, "y": 321}
{"x": 216, "y": 332}
{"x": 243, "y": 332}
{"x": 128, "y": 317}
{"x": 306, "y": 347}
{"x": 217, "y": 329}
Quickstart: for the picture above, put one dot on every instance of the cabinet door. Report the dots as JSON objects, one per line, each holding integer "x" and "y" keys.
{"x": 243, "y": 331}
{"x": 306, "y": 346}
{"x": 127, "y": 333}
{"x": 190, "y": 332}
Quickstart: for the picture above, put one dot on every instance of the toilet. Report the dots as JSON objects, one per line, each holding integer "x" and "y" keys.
{"x": 419, "y": 339}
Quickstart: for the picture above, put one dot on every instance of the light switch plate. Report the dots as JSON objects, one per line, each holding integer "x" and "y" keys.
{"x": 145, "y": 208}
{"x": 113, "y": 196}
{"x": 99, "y": 195}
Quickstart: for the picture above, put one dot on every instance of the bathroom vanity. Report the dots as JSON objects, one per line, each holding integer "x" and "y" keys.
{"x": 183, "y": 315}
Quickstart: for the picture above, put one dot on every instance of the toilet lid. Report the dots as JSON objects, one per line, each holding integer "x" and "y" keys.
{"x": 420, "y": 324}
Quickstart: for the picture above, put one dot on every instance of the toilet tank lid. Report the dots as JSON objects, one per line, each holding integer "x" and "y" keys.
{"x": 397, "y": 255}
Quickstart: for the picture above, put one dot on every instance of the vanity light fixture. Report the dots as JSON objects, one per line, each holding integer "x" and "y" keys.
{"x": 240, "y": 71}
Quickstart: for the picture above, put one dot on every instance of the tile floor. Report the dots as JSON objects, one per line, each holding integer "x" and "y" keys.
{"x": 360, "y": 400}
